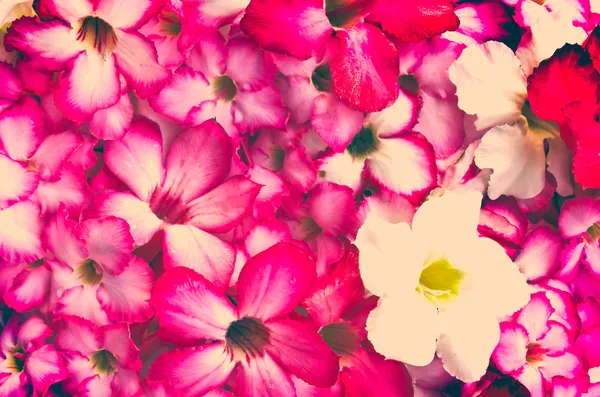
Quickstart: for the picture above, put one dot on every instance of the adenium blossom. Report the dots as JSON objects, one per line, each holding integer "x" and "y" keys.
{"x": 95, "y": 43}
{"x": 433, "y": 278}
{"x": 187, "y": 197}
{"x": 259, "y": 337}
{"x": 29, "y": 364}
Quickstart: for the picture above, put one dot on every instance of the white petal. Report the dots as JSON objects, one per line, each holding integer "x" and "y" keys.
{"x": 404, "y": 329}
{"x": 343, "y": 169}
{"x": 516, "y": 155}
{"x": 490, "y": 84}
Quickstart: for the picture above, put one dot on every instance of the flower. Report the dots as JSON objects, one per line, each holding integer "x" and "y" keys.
{"x": 434, "y": 278}
{"x": 259, "y": 336}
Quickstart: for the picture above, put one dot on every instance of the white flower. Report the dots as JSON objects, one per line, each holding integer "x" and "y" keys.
{"x": 442, "y": 287}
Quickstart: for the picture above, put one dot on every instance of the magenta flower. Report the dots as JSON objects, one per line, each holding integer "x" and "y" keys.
{"x": 187, "y": 197}
{"x": 259, "y": 337}
{"x": 29, "y": 365}
{"x": 95, "y": 43}
{"x": 102, "y": 361}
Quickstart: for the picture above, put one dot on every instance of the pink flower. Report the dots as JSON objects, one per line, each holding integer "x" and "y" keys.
{"x": 95, "y": 43}
{"x": 29, "y": 365}
{"x": 260, "y": 338}
{"x": 102, "y": 361}
{"x": 231, "y": 82}
{"x": 187, "y": 197}
{"x": 96, "y": 276}
{"x": 534, "y": 349}
{"x": 365, "y": 71}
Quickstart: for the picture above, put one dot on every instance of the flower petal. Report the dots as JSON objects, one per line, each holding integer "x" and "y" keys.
{"x": 198, "y": 161}
{"x": 125, "y": 297}
{"x": 516, "y": 155}
{"x": 223, "y": 207}
{"x": 275, "y": 281}
{"x": 193, "y": 371}
{"x": 20, "y": 229}
{"x": 91, "y": 83}
{"x": 262, "y": 376}
{"x": 18, "y": 182}
{"x": 213, "y": 13}
{"x": 415, "y": 20}
{"x": 400, "y": 116}
{"x": 260, "y": 109}
{"x": 540, "y": 256}
{"x": 190, "y": 307}
{"x": 29, "y": 290}
{"x": 54, "y": 153}
{"x": 367, "y": 59}
{"x": 534, "y": 316}
{"x": 113, "y": 122}
{"x": 335, "y": 122}
{"x": 248, "y": 66}
{"x": 77, "y": 335}
{"x": 511, "y": 352}
{"x": 137, "y": 61}
{"x": 211, "y": 257}
{"x": 298, "y": 348}
{"x": 492, "y": 68}
{"x": 12, "y": 87}
{"x": 21, "y": 128}
{"x": 298, "y": 28}
{"x": 578, "y": 215}
{"x": 128, "y": 15}
{"x": 137, "y": 159}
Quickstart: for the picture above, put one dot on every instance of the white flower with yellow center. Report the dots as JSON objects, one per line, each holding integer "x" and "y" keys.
{"x": 442, "y": 287}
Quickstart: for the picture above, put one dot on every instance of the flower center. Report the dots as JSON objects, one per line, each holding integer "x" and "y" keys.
{"x": 592, "y": 234}
{"x": 440, "y": 281}
{"x": 90, "y": 272}
{"x": 36, "y": 264}
{"x": 535, "y": 354}
{"x": 247, "y": 337}
{"x": 344, "y": 13}
{"x": 15, "y": 362}
{"x": 341, "y": 337}
{"x": 97, "y": 34}
{"x": 224, "y": 88}
{"x": 104, "y": 362}
{"x": 409, "y": 83}
{"x": 321, "y": 78}
{"x": 363, "y": 144}
{"x": 170, "y": 24}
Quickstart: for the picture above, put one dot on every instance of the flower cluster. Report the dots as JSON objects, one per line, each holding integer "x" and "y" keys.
{"x": 280, "y": 198}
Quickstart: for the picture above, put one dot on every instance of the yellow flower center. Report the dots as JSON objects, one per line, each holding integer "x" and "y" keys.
{"x": 440, "y": 282}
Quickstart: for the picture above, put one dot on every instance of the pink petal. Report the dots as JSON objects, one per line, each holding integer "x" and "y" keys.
{"x": 35, "y": 81}
{"x": 34, "y": 331}
{"x": 556, "y": 339}
{"x": 299, "y": 169}
{"x": 137, "y": 158}
{"x": 298, "y": 28}
{"x": 369, "y": 61}
{"x": 20, "y": 229}
{"x": 70, "y": 190}
{"x": 29, "y": 290}
{"x": 328, "y": 250}
{"x": 568, "y": 76}
{"x": 564, "y": 364}
{"x": 333, "y": 294}
{"x": 125, "y": 297}
{"x": 534, "y": 316}
{"x": 113, "y": 122}
{"x": 22, "y": 128}
{"x": 301, "y": 351}
{"x": 108, "y": 241}
{"x": 511, "y": 352}
{"x": 18, "y": 182}
{"x": 298, "y": 95}
{"x": 213, "y": 13}
{"x": 45, "y": 367}
{"x": 70, "y": 11}
{"x": 196, "y": 249}
{"x": 81, "y": 301}
{"x": 432, "y": 75}
{"x": 540, "y": 256}
{"x": 11, "y": 84}
{"x": 401, "y": 116}
{"x": 223, "y": 207}
{"x": 404, "y": 165}
{"x": 578, "y": 215}
{"x": 335, "y": 122}
{"x": 198, "y": 161}
{"x": 63, "y": 239}
{"x": 416, "y": 20}
{"x": 328, "y": 195}
{"x": 50, "y": 44}
{"x": 532, "y": 379}
{"x": 116, "y": 338}
{"x": 77, "y": 335}
{"x": 127, "y": 383}
{"x": 96, "y": 386}
{"x": 502, "y": 220}
{"x": 188, "y": 306}
{"x": 261, "y": 376}
{"x": 91, "y": 83}
{"x": 128, "y": 15}
{"x": 142, "y": 221}
{"x": 441, "y": 122}
{"x": 260, "y": 109}
{"x": 272, "y": 192}
{"x": 54, "y": 152}
{"x": 193, "y": 371}
{"x": 186, "y": 89}
{"x": 209, "y": 55}
{"x": 137, "y": 61}
{"x": 275, "y": 281}
{"x": 248, "y": 66}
